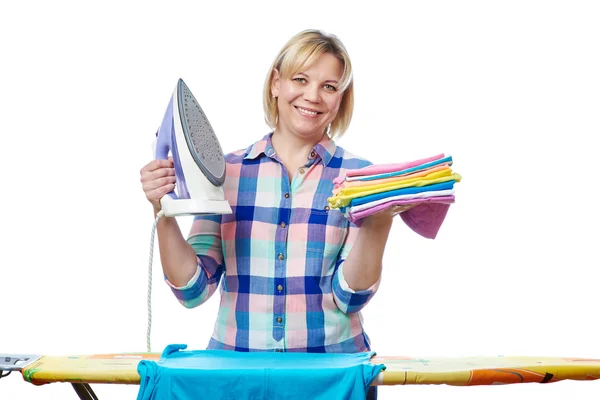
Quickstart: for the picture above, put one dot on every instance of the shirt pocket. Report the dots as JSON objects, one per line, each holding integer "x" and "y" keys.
{"x": 326, "y": 232}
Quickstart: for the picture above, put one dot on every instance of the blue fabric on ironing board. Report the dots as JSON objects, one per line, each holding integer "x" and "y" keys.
{"x": 226, "y": 374}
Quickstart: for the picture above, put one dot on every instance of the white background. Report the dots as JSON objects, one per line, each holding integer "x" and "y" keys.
{"x": 510, "y": 89}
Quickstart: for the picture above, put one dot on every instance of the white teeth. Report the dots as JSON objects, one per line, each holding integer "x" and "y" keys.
{"x": 305, "y": 111}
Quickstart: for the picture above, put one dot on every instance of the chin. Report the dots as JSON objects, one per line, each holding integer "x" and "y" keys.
{"x": 309, "y": 131}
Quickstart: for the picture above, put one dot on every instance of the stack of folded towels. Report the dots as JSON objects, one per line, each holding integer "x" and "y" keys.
{"x": 428, "y": 184}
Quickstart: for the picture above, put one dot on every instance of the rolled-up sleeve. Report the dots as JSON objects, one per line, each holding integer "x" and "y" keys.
{"x": 348, "y": 300}
{"x": 205, "y": 239}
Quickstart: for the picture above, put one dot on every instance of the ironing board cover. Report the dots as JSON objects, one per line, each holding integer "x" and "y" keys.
{"x": 121, "y": 368}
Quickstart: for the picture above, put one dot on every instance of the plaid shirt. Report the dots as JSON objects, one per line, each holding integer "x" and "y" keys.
{"x": 279, "y": 256}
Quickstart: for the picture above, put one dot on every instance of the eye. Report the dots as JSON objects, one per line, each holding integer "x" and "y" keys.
{"x": 330, "y": 88}
{"x": 300, "y": 80}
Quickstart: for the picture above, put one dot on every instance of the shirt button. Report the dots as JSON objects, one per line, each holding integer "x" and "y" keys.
{"x": 282, "y": 224}
{"x": 287, "y": 195}
{"x": 312, "y": 154}
{"x": 279, "y": 320}
{"x": 301, "y": 170}
{"x": 326, "y": 208}
{"x": 279, "y": 288}
{"x": 280, "y": 256}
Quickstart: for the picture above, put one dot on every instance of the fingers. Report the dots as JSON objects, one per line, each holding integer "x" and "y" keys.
{"x": 151, "y": 182}
{"x": 157, "y": 164}
{"x": 163, "y": 172}
{"x": 156, "y": 169}
{"x": 395, "y": 210}
{"x": 155, "y": 195}
{"x": 158, "y": 179}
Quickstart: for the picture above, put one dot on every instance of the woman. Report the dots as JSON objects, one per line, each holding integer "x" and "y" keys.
{"x": 294, "y": 274}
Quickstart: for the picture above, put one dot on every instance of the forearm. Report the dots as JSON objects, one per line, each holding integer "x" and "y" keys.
{"x": 177, "y": 257}
{"x": 362, "y": 267}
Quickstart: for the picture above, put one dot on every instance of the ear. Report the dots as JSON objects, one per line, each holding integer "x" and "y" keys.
{"x": 275, "y": 83}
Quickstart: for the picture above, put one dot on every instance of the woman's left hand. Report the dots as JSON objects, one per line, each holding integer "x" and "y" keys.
{"x": 386, "y": 215}
{"x": 395, "y": 210}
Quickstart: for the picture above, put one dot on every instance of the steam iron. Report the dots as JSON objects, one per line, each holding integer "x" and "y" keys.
{"x": 188, "y": 137}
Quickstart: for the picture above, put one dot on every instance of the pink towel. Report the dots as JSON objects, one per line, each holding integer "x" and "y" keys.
{"x": 424, "y": 219}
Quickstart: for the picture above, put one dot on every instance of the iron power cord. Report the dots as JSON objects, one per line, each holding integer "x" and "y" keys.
{"x": 149, "y": 300}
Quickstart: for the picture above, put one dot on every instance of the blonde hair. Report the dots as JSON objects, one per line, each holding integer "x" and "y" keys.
{"x": 299, "y": 53}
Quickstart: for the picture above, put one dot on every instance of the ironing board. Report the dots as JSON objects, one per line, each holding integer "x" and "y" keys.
{"x": 83, "y": 370}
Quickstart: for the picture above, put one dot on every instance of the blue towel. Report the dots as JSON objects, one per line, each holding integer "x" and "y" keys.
{"x": 226, "y": 374}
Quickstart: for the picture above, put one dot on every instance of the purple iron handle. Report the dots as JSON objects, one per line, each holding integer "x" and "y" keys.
{"x": 165, "y": 142}
{"x": 164, "y": 135}
{"x": 165, "y": 138}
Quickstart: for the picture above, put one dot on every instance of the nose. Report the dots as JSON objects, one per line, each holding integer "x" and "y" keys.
{"x": 312, "y": 93}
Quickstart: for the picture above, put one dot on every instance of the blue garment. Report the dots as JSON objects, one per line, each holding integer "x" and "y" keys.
{"x": 226, "y": 374}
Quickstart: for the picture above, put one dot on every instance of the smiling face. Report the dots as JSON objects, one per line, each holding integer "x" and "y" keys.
{"x": 309, "y": 100}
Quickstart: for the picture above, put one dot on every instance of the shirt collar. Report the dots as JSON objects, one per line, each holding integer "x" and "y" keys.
{"x": 263, "y": 146}
{"x": 325, "y": 148}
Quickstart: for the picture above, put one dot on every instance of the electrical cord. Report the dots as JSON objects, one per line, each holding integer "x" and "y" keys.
{"x": 149, "y": 299}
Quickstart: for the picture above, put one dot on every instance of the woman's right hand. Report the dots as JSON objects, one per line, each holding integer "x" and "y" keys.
{"x": 158, "y": 179}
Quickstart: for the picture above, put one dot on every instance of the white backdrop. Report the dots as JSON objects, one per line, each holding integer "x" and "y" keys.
{"x": 509, "y": 89}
